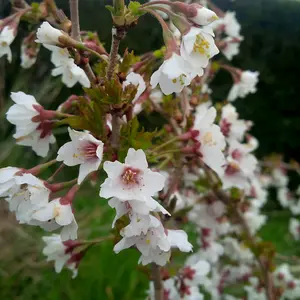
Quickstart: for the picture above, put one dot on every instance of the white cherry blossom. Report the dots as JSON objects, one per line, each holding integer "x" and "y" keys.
{"x": 7, "y": 36}
{"x": 56, "y": 250}
{"x": 195, "y": 271}
{"x": 48, "y": 35}
{"x": 8, "y": 181}
{"x": 27, "y": 61}
{"x": 172, "y": 76}
{"x": 132, "y": 179}
{"x": 232, "y": 26}
{"x": 39, "y": 140}
{"x": 231, "y": 126}
{"x": 31, "y": 195}
{"x": 231, "y": 47}
{"x": 37, "y": 135}
{"x": 83, "y": 150}
{"x": 61, "y": 214}
{"x": 198, "y": 47}
{"x": 240, "y": 166}
{"x": 21, "y": 114}
{"x": 237, "y": 251}
{"x": 294, "y": 228}
{"x": 246, "y": 85}
{"x": 71, "y": 74}
{"x": 154, "y": 237}
{"x": 136, "y": 80}
{"x": 211, "y": 139}
{"x": 135, "y": 208}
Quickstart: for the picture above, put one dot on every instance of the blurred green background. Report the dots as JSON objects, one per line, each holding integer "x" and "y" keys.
{"x": 272, "y": 46}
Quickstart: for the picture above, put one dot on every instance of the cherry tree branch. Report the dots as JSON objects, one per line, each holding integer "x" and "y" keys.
{"x": 75, "y": 33}
{"x": 118, "y": 33}
{"x": 74, "y": 11}
{"x": 158, "y": 283}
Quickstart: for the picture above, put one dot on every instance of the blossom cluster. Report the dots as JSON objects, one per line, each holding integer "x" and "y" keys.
{"x": 131, "y": 187}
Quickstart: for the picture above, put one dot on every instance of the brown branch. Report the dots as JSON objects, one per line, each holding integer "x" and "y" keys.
{"x": 158, "y": 283}
{"x": 118, "y": 33}
{"x": 74, "y": 11}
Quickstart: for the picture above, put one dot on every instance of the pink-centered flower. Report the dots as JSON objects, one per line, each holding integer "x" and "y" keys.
{"x": 132, "y": 179}
{"x": 83, "y": 150}
{"x": 30, "y": 132}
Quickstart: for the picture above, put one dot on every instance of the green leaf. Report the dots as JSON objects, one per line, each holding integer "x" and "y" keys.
{"x": 110, "y": 8}
{"x": 134, "y": 8}
{"x": 128, "y": 60}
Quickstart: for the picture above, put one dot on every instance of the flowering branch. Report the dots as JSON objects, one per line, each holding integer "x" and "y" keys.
{"x": 223, "y": 197}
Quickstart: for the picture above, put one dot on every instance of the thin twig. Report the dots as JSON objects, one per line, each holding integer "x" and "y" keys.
{"x": 75, "y": 33}
{"x": 158, "y": 283}
{"x": 74, "y": 11}
{"x": 117, "y": 35}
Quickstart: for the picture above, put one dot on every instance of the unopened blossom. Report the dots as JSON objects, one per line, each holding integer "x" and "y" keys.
{"x": 132, "y": 179}
{"x": 48, "y": 35}
{"x": 61, "y": 214}
{"x": 231, "y": 126}
{"x": 37, "y": 135}
{"x": 58, "y": 251}
{"x": 71, "y": 74}
{"x": 294, "y": 228}
{"x": 211, "y": 139}
{"x": 7, "y": 36}
{"x": 172, "y": 76}
{"x": 201, "y": 15}
{"x": 198, "y": 47}
{"x": 246, "y": 84}
{"x": 136, "y": 80}
{"x": 83, "y": 150}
